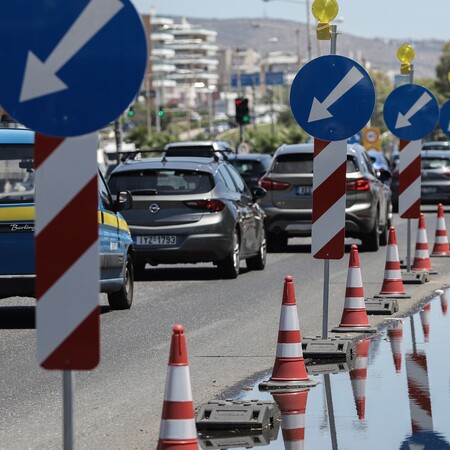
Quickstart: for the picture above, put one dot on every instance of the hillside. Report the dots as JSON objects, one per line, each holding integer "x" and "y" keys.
{"x": 380, "y": 52}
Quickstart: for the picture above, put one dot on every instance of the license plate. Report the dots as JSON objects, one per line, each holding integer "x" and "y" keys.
{"x": 429, "y": 190}
{"x": 156, "y": 240}
{"x": 303, "y": 190}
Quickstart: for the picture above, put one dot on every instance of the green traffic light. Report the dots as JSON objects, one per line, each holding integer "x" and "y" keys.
{"x": 161, "y": 113}
{"x": 130, "y": 113}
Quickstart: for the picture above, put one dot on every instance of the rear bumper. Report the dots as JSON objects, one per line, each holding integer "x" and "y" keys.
{"x": 17, "y": 286}
{"x": 359, "y": 219}
{"x": 191, "y": 249}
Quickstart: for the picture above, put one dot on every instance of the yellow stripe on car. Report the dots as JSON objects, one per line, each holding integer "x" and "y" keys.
{"x": 16, "y": 213}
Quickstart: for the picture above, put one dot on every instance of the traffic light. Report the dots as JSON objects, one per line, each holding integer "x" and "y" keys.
{"x": 131, "y": 111}
{"x": 242, "y": 111}
{"x": 161, "y": 111}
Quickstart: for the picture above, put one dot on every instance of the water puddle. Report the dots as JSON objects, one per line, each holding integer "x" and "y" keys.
{"x": 396, "y": 395}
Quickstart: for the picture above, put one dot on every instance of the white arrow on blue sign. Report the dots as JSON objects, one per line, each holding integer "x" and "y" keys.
{"x": 332, "y": 97}
{"x": 444, "y": 118}
{"x": 74, "y": 66}
{"x": 411, "y": 112}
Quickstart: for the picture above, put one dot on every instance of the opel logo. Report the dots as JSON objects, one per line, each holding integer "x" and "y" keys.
{"x": 154, "y": 208}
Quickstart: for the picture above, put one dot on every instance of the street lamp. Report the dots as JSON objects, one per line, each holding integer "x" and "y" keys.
{"x": 308, "y": 21}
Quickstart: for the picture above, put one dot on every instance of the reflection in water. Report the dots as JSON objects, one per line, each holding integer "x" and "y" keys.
{"x": 395, "y": 334}
{"x": 394, "y": 410}
{"x": 358, "y": 377}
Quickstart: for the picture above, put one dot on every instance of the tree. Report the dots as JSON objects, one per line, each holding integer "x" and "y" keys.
{"x": 442, "y": 83}
{"x": 383, "y": 87}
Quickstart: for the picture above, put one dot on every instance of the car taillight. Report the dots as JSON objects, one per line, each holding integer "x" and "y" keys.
{"x": 358, "y": 185}
{"x": 208, "y": 205}
{"x": 270, "y": 185}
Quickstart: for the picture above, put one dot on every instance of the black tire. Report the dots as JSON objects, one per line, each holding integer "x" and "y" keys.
{"x": 139, "y": 270}
{"x": 384, "y": 236}
{"x": 229, "y": 266}
{"x": 276, "y": 242}
{"x": 258, "y": 262}
{"x": 371, "y": 240}
{"x": 123, "y": 298}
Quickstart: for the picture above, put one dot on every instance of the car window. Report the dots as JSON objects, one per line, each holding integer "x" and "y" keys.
{"x": 240, "y": 183}
{"x": 248, "y": 167}
{"x": 435, "y": 163}
{"x": 352, "y": 166}
{"x": 16, "y": 173}
{"x": 105, "y": 195}
{"x": 161, "y": 182}
{"x": 368, "y": 163}
{"x": 294, "y": 163}
{"x": 226, "y": 176}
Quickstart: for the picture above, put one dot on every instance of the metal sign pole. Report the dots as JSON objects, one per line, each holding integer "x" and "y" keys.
{"x": 326, "y": 264}
{"x": 68, "y": 380}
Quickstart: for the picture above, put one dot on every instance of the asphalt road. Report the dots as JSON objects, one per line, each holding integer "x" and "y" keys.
{"x": 231, "y": 328}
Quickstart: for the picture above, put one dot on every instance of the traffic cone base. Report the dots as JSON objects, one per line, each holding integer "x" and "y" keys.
{"x": 289, "y": 370}
{"x": 354, "y": 316}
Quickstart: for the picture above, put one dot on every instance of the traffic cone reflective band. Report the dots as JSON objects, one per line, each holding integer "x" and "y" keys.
{"x": 354, "y": 317}
{"x": 422, "y": 262}
{"x": 425, "y": 319}
{"x": 392, "y": 283}
{"x": 441, "y": 247}
{"x": 358, "y": 377}
{"x": 289, "y": 370}
{"x": 395, "y": 334}
{"x": 177, "y": 430}
{"x": 292, "y": 407}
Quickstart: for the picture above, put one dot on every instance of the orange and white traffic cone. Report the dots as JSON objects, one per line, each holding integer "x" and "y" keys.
{"x": 425, "y": 319}
{"x": 289, "y": 371}
{"x": 177, "y": 430}
{"x": 354, "y": 317}
{"x": 441, "y": 247}
{"x": 392, "y": 283}
{"x": 395, "y": 334}
{"x": 422, "y": 262}
{"x": 292, "y": 407}
{"x": 358, "y": 377}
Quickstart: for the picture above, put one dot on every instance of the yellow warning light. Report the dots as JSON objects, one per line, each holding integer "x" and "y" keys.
{"x": 405, "y": 54}
{"x": 448, "y": 76}
{"x": 325, "y": 10}
{"x": 323, "y": 31}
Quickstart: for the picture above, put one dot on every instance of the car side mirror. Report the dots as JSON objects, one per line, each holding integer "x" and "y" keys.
{"x": 384, "y": 175}
{"x": 124, "y": 200}
{"x": 258, "y": 192}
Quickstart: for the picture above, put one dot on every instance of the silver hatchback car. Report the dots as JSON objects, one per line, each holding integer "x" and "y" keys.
{"x": 435, "y": 186}
{"x": 190, "y": 210}
{"x": 288, "y": 203}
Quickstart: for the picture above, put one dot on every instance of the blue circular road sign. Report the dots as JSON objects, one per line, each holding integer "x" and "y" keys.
{"x": 444, "y": 118}
{"x": 411, "y": 112}
{"x": 332, "y": 97}
{"x": 74, "y": 66}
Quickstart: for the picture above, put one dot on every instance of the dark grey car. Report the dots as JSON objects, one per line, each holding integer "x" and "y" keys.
{"x": 190, "y": 210}
{"x": 288, "y": 204}
{"x": 251, "y": 166}
{"x": 435, "y": 176}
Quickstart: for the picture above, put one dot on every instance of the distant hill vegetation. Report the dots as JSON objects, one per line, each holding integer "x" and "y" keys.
{"x": 381, "y": 53}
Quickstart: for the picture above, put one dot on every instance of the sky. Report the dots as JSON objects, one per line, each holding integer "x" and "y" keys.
{"x": 400, "y": 19}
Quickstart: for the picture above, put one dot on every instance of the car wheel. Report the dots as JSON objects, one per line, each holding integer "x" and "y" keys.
{"x": 123, "y": 298}
{"x": 276, "y": 242}
{"x": 384, "y": 236}
{"x": 229, "y": 267}
{"x": 371, "y": 240}
{"x": 258, "y": 262}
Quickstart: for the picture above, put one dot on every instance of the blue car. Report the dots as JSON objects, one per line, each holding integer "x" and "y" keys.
{"x": 17, "y": 212}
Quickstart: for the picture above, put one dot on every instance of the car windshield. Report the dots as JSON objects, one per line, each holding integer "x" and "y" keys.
{"x": 161, "y": 182}
{"x": 247, "y": 167}
{"x": 16, "y": 173}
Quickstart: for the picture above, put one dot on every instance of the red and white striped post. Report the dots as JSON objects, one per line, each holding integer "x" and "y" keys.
{"x": 409, "y": 187}
{"x": 328, "y": 212}
{"x": 67, "y": 261}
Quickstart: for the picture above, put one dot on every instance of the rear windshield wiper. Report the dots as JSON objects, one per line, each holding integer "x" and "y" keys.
{"x": 144, "y": 192}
